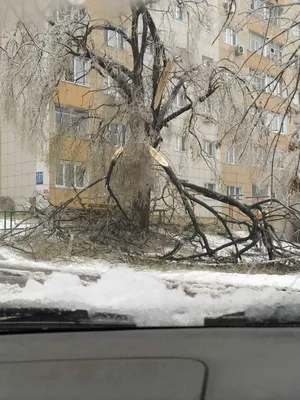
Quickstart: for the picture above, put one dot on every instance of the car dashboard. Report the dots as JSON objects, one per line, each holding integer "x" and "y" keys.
{"x": 148, "y": 364}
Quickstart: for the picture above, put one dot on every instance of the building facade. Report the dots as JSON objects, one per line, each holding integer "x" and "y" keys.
{"x": 222, "y": 36}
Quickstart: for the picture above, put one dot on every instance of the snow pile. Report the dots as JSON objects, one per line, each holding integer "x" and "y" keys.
{"x": 143, "y": 296}
{"x": 13, "y": 261}
{"x": 232, "y": 280}
{"x": 152, "y": 297}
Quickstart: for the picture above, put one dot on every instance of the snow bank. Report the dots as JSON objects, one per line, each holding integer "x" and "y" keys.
{"x": 153, "y": 298}
{"x": 143, "y": 296}
{"x": 10, "y": 260}
{"x": 226, "y": 279}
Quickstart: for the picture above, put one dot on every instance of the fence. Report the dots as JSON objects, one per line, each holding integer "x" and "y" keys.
{"x": 11, "y": 219}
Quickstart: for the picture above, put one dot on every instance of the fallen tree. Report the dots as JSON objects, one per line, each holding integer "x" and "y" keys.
{"x": 142, "y": 96}
{"x": 112, "y": 224}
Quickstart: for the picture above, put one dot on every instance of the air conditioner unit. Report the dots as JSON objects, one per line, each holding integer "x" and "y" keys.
{"x": 239, "y": 50}
{"x": 229, "y": 7}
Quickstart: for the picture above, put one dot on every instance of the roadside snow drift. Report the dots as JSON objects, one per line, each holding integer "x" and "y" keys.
{"x": 150, "y": 299}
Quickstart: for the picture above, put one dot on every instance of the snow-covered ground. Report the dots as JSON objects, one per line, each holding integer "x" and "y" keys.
{"x": 153, "y": 298}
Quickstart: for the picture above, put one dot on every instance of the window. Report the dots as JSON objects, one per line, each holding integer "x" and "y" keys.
{"x": 296, "y": 98}
{"x": 296, "y": 30}
{"x": 59, "y": 175}
{"x": 270, "y": 84}
{"x": 180, "y": 143}
{"x": 179, "y": 12}
{"x": 273, "y": 50}
{"x": 295, "y": 62}
{"x": 257, "y": 80}
{"x": 210, "y": 186}
{"x": 235, "y": 192}
{"x": 256, "y": 5}
{"x": 230, "y": 36}
{"x": 297, "y": 131}
{"x": 256, "y": 42}
{"x": 231, "y": 155}
{"x": 277, "y": 123}
{"x": 209, "y": 148}
{"x": 80, "y": 175}
{"x": 70, "y": 174}
{"x": 283, "y": 88}
{"x": 267, "y": 11}
{"x": 273, "y": 13}
{"x": 71, "y": 120}
{"x": 114, "y": 39}
{"x": 115, "y": 134}
{"x": 273, "y": 85}
{"x": 110, "y": 87}
{"x": 180, "y": 99}
{"x": 80, "y": 70}
{"x": 260, "y": 190}
{"x": 77, "y": 71}
{"x": 284, "y": 123}
{"x": 207, "y": 61}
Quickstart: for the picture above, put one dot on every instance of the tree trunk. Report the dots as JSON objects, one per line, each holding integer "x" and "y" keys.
{"x": 141, "y": 210}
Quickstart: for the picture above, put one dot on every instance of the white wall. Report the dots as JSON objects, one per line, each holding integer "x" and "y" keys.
{"x": 18, "y": 168}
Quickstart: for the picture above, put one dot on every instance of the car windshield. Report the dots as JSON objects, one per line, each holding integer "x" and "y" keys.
{"x": 149, "y": 159}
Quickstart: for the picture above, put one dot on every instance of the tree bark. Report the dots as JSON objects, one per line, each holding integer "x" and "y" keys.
{"x": 141, "y": 210}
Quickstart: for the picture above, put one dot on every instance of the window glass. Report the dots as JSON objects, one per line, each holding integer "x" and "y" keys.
{"x": 69, "y": 175}
{"x": 60, "y": 175}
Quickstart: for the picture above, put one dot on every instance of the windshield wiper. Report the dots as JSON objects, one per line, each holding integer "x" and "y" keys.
{"x": 60, "y": 320}
{"x": 241, "y": 319}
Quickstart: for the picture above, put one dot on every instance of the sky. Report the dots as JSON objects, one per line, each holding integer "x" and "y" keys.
{"x": 29, "y": 10}
{"x": 35, "y": 10}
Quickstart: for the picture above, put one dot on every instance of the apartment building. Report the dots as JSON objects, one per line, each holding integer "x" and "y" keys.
{"x": 261, "y": 37}
{"x": 25, "y": 175}
{"x": 192, "y": 164}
